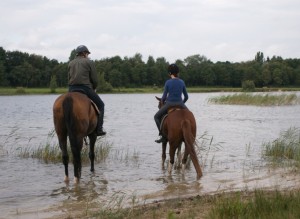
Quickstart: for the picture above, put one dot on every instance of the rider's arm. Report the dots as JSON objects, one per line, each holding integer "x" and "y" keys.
{"x": 185, "y": 94}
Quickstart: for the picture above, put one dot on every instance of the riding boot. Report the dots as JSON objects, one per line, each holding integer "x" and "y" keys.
{"x": 100, "y": 131}
{"x": 162, "y": 139}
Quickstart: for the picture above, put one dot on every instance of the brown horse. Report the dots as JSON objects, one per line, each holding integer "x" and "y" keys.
{"x": 76, "y": 117}
{"x": 180, "y": 126}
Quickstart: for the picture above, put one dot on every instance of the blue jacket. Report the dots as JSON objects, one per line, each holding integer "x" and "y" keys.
{"x": 174, "y": 88}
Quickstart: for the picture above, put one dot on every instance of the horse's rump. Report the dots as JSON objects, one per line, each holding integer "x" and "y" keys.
{"x": 170, "y": 110}
{"x": 174, "y": 120}
{"x": 77, "y": 112}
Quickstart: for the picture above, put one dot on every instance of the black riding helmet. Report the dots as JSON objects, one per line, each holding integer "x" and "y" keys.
{"x": 81, "y": 49}
{"x": 173, "y": 69}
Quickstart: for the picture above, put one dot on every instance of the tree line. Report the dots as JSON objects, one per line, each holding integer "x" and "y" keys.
{"x": 20, "y": 69}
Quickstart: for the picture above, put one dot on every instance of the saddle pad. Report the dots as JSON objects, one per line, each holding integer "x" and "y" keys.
{"x": 95, "y": 106}
{"x": 165, "y": 116}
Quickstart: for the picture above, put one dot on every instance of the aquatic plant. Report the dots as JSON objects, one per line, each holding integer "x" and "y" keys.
{"x": 204, "y": 147}
{"x": 51, "y": 153}
{"x": 287, "y": 146}
{"x": 257, "y": 99}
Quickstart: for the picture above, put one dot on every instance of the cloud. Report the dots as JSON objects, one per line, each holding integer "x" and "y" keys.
{"x": 221, "y": 30}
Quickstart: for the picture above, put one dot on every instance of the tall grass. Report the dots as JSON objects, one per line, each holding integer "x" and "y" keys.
{"x": 51, "y": 153}
{"x": 256, "y": 99}
{"x": 204, "y": 148}
{"x": 287, "y": 146}
{"x": 256, "y": 204}
{"x": 263, "y": 205}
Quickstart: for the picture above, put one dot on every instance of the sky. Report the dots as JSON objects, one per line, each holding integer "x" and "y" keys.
{"x": 220, "y": 30}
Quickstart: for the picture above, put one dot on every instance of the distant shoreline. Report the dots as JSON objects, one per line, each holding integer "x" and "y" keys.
{"x": 41, "y": 91}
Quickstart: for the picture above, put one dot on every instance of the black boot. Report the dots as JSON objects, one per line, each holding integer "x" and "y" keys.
{"x": 162, "y": 139}
{"x": 99, "y": 130}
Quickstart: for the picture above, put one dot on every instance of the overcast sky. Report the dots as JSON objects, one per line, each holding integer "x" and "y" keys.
{"x": 221, "y": 30}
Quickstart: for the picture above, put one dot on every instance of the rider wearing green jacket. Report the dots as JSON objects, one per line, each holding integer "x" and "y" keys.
{"x": 83, "y": 77}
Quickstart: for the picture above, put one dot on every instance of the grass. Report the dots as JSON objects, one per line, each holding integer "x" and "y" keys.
{"x": 27, "y": 91}
{"x": 262, "y": 205}
{"x": 287, "y": 146}
{"x": 258, "y": 99}
{"x": 51, "y": 153}
{"x": 153, "y": 89}
{"x": 243, "y": 204}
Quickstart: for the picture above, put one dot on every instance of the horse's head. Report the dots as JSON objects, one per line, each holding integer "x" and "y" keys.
{"x": 160, "y": 103}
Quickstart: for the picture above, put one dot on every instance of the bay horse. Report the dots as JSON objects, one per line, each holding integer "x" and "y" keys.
{"x": 178, "y": 127}
{"x": 76, "y": 117}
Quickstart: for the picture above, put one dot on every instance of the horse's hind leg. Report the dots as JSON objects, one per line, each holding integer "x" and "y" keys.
{"x": 76, "y": 146}
{"x": 172, "y": 155}
{"x": 93, "y": 139}
{"x": 184, "y": 160}
{"x": 65, "y": 156}
{"x": 178, "y": 160}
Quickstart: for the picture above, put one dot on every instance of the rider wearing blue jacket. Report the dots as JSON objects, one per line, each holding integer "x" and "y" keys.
{"x": 172, "y": 96}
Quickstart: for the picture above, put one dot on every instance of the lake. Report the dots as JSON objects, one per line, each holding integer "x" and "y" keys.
{"x": 231, "y": 135}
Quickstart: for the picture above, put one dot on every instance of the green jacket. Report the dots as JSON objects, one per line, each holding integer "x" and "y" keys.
{"x": 82, "y": 71}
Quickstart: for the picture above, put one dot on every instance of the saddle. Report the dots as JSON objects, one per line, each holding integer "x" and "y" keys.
{"x": 92, "y": 102}
{"x": 171, "y": 109}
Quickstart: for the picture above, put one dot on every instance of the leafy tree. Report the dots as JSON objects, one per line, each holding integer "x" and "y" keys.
{"x": 161, "y": 69}
{"x": 53, "y": 84}
{"x": 3, "y": 80}
{"x": 103, "y": 86}
{"x": 72, "y": 55}
{"x": 61, "y": 73}
{"x": 115, "y": 78}
{"x": 222, "y": 72}
{"x": 259, "y": 57}
{"x": 266, "y": 75}
{"x": 248, "y": 86}
{"x": 31, "y": 70}
{"x": 277, "y": 77}
{"x": 151, "y": 74}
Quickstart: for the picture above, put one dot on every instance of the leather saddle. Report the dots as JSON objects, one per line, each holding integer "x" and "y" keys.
{"x": 92, "y": 102}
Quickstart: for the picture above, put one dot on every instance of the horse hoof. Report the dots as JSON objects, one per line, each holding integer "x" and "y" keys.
{"x": 183, "y": 167}
{"x": 170, "y": 167}
{"x": 66, "y": 179}
{"x": 199, "y": 176}
{"x": 76, "y": 180}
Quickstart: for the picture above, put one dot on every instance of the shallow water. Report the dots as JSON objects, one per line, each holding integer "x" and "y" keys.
{"x": 30, "y": 188}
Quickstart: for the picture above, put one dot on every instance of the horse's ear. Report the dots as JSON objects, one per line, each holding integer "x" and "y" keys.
{"x": 159, "y": 99}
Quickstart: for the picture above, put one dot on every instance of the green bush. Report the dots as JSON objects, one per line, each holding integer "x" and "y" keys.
{"x": 248, "y": 86}
{"x": 20, "y": 90}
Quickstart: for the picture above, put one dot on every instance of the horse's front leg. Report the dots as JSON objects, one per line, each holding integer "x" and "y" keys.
{"x": 93, "y": 138}
{"x": 163, "y": 156}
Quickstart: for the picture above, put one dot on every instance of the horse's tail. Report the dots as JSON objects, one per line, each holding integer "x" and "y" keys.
{"x": 189, "y": 141}
{"x": 69, "y": 116}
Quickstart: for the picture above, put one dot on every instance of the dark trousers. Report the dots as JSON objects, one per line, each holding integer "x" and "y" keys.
{"x": 164, "y": 110}
{"x": 93, "y": 96}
